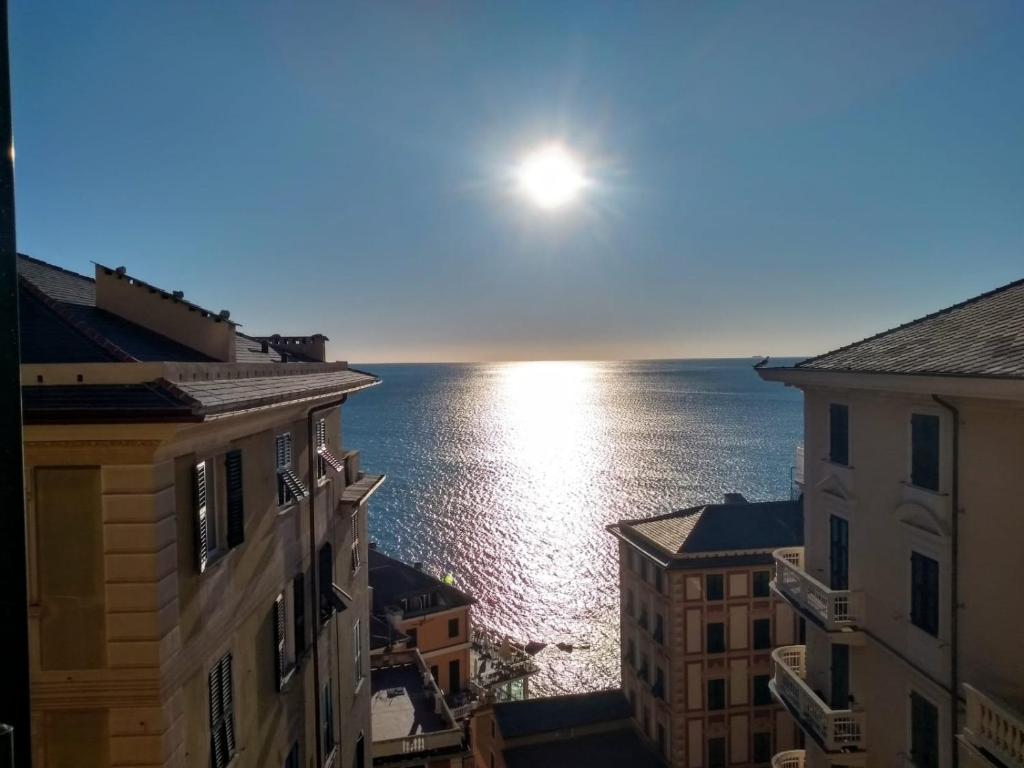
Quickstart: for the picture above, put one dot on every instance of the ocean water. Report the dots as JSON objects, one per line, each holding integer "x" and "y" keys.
{"x": 506, "y": 475}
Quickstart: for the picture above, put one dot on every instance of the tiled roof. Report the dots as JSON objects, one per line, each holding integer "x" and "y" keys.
{"x": 106, "y": 403}
{"x": 616, "y": 748}
{"x": 723, "y": 527}
{"x": 74, "y": 330}
{"x": 231, "y": 395}
{"x": 393, "y": 580}
{"x": 983, "y": 336}
{"x": 557, "y": 713}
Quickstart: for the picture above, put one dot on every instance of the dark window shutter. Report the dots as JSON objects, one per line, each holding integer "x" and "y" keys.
{"x": 236, "y": 507}
{"x": 226, "y": 704}
{"x": 218, "y": 750}
{"x": 280, "y": 659}
{"x": 202, "y": 527}
{"x": 299, "y": 603}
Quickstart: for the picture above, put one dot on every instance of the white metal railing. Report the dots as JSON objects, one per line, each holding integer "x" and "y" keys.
{"x": 835, "y": 608}
{"x": 464, "y": 711}
{"x": 835, "y": 729}
{"x": 798, "y": 465}
{"x": 793, "y": 758}
{"x": 423, "y": 742}
{"x": 995, "y": 727}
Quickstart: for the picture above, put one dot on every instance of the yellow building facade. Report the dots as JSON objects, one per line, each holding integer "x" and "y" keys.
{"x": 196, "y": 535}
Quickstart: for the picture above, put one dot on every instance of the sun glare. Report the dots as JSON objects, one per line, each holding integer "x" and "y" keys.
{"x": 551, "y": 177}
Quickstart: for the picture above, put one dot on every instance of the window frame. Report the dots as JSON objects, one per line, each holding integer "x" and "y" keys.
{"x": 914, "y": 479}
{"x": 719, "y": 686}
{"x": 220, "y": 690}
{"x": 287, "y": 477}
{"x": 765, "y": 644}
{"x": 710, "y": 647}
{"x": 714, "y": 578}
{"x": 921, "y": 761}
{"x": 925, "y": 593}
{"x": 842, "y": 457}
{"x": 757, "y": 688}
{"x": 755, "y": 583}
{"x": 454, "y": 623}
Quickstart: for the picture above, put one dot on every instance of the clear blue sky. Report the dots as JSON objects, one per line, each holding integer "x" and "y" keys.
{"x": 770, "y": 177}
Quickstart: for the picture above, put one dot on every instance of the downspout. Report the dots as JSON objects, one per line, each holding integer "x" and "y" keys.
{"x": 954, "y": 591}
{"x": 315, "y": 569}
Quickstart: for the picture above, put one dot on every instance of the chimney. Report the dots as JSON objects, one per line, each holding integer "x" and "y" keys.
{"x": 166, "y": 313}
{"x": 735, "y": 498}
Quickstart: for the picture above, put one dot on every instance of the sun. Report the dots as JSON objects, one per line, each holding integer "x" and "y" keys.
{"x": 550, "y": 176}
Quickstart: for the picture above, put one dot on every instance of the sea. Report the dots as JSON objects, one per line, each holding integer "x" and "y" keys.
{"x": 506, "y": 475}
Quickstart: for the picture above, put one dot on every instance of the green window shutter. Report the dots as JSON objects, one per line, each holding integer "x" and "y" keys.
{"x": 199, "y": 486}
{"x": 236, "y": 507}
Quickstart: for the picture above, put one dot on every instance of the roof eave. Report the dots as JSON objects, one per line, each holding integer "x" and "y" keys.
{"x": 965, "y": 385}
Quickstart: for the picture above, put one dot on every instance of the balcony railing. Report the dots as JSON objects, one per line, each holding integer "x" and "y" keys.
{"x": 835, "y": 608}
{"x": 798, "y": 465}
{"x": 994, "y": 727}
{"x": 793, "y": 758}
{"x": 834, "y": 729}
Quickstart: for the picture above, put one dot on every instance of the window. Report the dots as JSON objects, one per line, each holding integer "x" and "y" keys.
{"x": 357, "y": 652}
{"x": 360, "y": 760}
{"x": 761, "y": 581}
{"x": 292, "y": 761}
{"x": 435, "y": 672}
{"x": 327, "y": 726}
{"x": 330, "y": 595}
{"x": 716, "y": 637}
{"x": 413, "y": 638}
{"x": 647, "y": 721}
{"x": 924, "y": 593}
{"x": 716, "y": 694}
{"x": 631, "y": 652}
{"x": 839, "y": 434}
{"x": 220, "y": 522}
{"x": 222, "y": 714}
{"x": 324, "y": 457}
{"x": 284, "y": 641}
{"x": 659, "y": 629}
{"x": 299, "y": 613}
{"x": 662, "y": 741}
{"x": 716, "y": 752}
{"x": 762, "y": 747}
{"x": 839, "y": 553}
{"x": 762, "y": 693}
{"x": 762, "y": 634}
{"x": 356, "y": 557}
{"x": 924, "y": 451}
{"x": 644, "y": 619}
{"x": 453, "y": 628}
{"x": 643, "y": 568}
{"x": 715, "y": 586}
{"x": 645, "y": 667}
{"x": 289, "y": 486}
{"x": 658, "y": 689}
{"x": 659, "y": 579}
{"x": 628, "y": 605}
{"x": 924, "y": 732}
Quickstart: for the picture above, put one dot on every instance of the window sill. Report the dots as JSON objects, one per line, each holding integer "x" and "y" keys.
{"x": 216, "y": 557}
{"x": 289, "y": 675}
{"x": 359, "y": 686}
{"x": 332, "y": 758}
{"x": 836, "y": 464}
{"x": 284, "y": 509}
{"x": 921, "y": 489}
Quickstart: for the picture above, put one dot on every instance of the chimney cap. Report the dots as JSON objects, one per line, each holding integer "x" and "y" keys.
{"x": 735, "y": 498}
{"x": 178, "y": 294}
{"x": 121, "y": 270}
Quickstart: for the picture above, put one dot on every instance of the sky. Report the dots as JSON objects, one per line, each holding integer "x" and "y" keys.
{"x": 765, "y": 178}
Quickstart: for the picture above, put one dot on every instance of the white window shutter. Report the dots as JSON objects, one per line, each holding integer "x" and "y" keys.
{"x": 201, "y": 508}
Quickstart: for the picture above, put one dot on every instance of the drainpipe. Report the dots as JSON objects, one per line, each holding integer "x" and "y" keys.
{"x": 954, "y": 591}
{"x": 315, "y": 569}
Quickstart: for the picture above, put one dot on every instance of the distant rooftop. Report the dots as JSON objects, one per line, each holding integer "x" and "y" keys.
{"x": 724, "y": 529}
{"x": 400, "y": 706}
{"x": 394, "y": 582}
{"x": 557, "y": 713}
{"x": 983, "y": 336}
{"x": 616, "y": 748}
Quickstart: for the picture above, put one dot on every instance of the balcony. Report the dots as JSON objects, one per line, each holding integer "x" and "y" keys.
{"x": 793, "y": 758}
{"x": 993, "y": 729}
{"x": 833, "y": 609}
{"x": 798, "y": 466}
{"x": 836, "y": 730}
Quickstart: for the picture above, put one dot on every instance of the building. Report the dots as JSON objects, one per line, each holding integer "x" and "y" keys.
{"x": 698, "y": 625}
{"x": 412, "y": 724}
{"x": 588, "y": 729}
{"x": 196, "y": 534}
{"x": 913, "y": 531}
{"x": 413, "y": 609}
{"x": 417, "y": 610}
